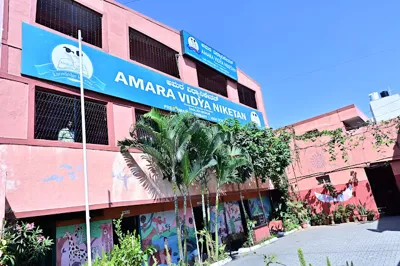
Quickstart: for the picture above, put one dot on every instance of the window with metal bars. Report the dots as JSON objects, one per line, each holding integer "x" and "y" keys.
{"x": 325, "y": 179}
{"x": 211, "y": 80}
{"x": 141, "y": 134}
{"x": 152, "y": 53}
{"x": 68, "y": 17}
{"x": 247, "y": 96}
{"x": 58, "y": 117}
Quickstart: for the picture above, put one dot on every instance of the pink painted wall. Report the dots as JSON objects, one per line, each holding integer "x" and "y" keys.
{"x": 50, "y": 180}
{"x": 361, "y": 192}
{"x": 313, "y": 159}
{"x": 116, "y": 22}
{"x": 53, "y": 168}
{"x": 13, "y": 109}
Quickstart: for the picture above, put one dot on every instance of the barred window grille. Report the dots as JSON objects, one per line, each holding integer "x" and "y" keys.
{"x": 247, "y": 96}
{"x": 54, "y": 111}
{"x": 152, "y": 53}
{"x": 211, "y": 80}
{"x": 68, "y": 17}
{"x": 141, "y": 134}
{"x": 325, "y": 179}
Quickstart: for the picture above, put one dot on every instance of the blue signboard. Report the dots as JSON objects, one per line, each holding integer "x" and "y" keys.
{"x": 53, "y": 57}
{"x": 197, "y": 49}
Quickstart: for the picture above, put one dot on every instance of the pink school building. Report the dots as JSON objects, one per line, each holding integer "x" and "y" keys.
{"x": 370, "y": 175}
{"x": 130, "y": 64}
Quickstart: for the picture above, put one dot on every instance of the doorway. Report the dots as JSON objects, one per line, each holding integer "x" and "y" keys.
{"x": 384, "y": 188}
{"x": 129, "y": 223}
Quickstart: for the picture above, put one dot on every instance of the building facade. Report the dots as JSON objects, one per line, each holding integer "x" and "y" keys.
{"x": 130, "y": 64}
{"x": 367, "y": 173}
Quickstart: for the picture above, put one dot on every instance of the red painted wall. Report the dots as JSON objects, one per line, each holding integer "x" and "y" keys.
{"x": 361, "y": 192}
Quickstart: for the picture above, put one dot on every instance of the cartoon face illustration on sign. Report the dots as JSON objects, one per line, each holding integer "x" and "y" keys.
{"x": 65, "y": 57}
{"x": 193, "y": 45}
{"x": 255, "y": 119}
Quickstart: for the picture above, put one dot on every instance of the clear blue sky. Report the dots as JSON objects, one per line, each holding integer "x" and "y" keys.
{"x": 310, "y": 57}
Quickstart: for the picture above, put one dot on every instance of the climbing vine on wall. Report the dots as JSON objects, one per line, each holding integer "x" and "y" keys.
{"x": 338, "y": 142}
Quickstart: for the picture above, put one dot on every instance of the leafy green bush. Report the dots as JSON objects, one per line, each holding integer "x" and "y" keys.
{"x": 370, "y": 215}
{"x": 362, "y": 208}
{"x": 23, "y": 244}
{"x": 318, "y": 218}
{"x": 129, "y": 252}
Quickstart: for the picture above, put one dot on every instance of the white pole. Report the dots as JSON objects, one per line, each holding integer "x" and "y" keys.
{"x": 85, "y": 171}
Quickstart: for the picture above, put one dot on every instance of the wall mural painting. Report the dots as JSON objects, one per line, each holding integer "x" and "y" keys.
{"x": 256, "y": 211}
{"x": 71, "y": 242}
{"x": 159, "y": 229}
{"x": 342, "y": 197}
{"x": 222, "y": 230}
{"x": 233, "y": 217}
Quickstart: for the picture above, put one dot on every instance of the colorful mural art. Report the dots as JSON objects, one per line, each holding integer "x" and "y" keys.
{"x": 71, "y": 242}
{"x": 159, "y": 229}
{"x": 233, "y": 217}
{"x": 256, "y": 211}
{"x": 233, "y": 223}
{"x": 342, "y": 197}
{"x": 222, "y": 231}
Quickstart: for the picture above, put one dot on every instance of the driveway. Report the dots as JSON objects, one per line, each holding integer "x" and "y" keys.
{"x": 369, "y": 244}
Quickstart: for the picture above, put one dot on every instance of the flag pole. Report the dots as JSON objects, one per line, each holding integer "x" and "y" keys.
{"x": 85, "y": 171}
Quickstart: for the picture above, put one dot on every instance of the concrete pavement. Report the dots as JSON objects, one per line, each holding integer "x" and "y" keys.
{"x": 369, "y": 244}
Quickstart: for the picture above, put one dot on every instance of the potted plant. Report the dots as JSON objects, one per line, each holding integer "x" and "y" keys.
{"x": 346, "y": 217}
{"x": 349, "y": 210}
{"x": 337, "y": 216}
{"x": 362, "y": 211}
{"x": 341, "y": 210}
{"x": 331, "y": 219}
{"x": 370, "y": 215}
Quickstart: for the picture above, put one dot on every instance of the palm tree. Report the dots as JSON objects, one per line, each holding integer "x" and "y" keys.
{"x": 199, "y": 159}
{"x": 229, "y": 159}
{"x": 165, "y": 140}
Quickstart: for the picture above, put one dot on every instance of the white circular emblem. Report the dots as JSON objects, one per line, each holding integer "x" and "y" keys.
{"x": 66, "y": 57}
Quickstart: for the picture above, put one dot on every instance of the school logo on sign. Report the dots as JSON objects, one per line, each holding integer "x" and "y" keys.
{"x": 255, "y": 119}
{"x": 65, "y": 65}
{"x": 193, "y": 44}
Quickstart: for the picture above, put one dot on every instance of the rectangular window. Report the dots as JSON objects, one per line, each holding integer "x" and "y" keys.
{"x": 323, "y": 179}
{"x": 68, "y": 17}
{"x": 247, "y": 96}
{"x": 141, "y": 134}
{"x": 152, "y": 53}
{"x": 211, "y": 80}
{"x": 58, "y": 117}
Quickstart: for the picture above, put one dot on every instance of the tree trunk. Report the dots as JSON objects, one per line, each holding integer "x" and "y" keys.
{"x": 246, "y": 217}
{"x": 261, "y": 201}
{"x": 178, "y": 228}
{"x": 203, "y": 205}
{"x": 195, "y": 230}
{"x": 208, "y": 209}
{"x": 205, "y": 219}
{"x": 216, "y": 222}
{"x": 184, "y": 229}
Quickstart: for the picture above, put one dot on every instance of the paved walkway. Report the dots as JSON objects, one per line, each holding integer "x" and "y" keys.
{"x": 370, "y": 244}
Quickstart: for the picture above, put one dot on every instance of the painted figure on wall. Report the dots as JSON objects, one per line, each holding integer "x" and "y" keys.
{"x": 256, "y": 208}
{"x": 342, "y": 197}
{"x": 222, "y": 230}
{"x": 234, "y": 219}
{"x": 159, "y": 229}
{"x": 71, "y": 243}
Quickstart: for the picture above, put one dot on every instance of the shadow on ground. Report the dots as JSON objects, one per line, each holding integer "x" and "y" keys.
{"x": 390, "y": 223}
